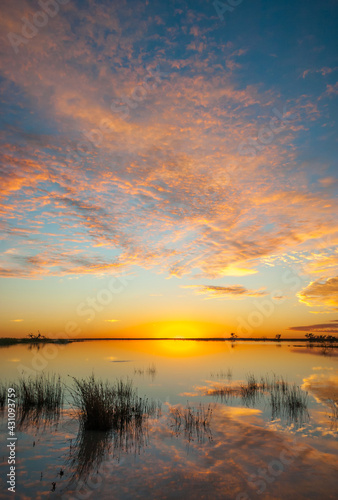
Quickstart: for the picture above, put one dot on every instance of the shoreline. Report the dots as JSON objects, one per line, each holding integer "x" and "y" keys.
{"x": 4, "y": 341}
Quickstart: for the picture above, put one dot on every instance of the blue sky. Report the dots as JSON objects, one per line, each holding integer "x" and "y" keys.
{"x": 156, "y": 140}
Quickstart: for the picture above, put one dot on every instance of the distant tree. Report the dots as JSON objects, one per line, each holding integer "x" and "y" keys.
{"x": 278, "y": 337}
{"x": 233, "y": 336}
{"x": 38, "y": 336}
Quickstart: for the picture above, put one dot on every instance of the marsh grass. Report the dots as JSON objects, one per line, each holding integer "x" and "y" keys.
{"x": 113, "y": 419}
{"x": 138, "y": 371}
{"x": 222, "y": 374}
{"x": 103, "y": 406}
{"x": 44, "y": 391}
{"x": 38, "y": 399}
{"x": 291, "y": 403}
{"x": 193, "y": 422}
{"x": 223, "y": 393}
{"x": 333, "y": 405}
{"x": 285, "y": 400}
{"x": 3, "y": 395}
{"x": 151, "y": 371}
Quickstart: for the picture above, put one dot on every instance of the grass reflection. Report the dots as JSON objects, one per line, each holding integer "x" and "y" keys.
{"x": 112, "y": 419}
{"x": 39, "y": 400}
{"x": 3, "y": 395}
{"x": 193, "y": 423}
{"x": 286, "y": 401}
{"x": 103, "y": 406}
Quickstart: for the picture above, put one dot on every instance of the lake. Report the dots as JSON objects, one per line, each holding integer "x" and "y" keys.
{"x": 228, "y": 420}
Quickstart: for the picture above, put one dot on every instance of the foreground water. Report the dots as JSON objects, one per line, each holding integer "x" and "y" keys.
{"x": 249, "y": 447}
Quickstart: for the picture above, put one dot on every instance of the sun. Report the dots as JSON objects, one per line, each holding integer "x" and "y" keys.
{"x": 178, "y": 330}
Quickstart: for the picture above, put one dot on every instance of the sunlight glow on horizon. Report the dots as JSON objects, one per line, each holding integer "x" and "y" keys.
{"x": 162, "y": 170}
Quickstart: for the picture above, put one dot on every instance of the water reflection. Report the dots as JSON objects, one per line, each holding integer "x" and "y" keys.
{"x": 112, "y": 420}
{"x": 151, "y": 371}
{"x": 37, "y": 418}
{"x": 286, "y": 401}
{"x": 242, "y": 460}
{"x": 87, "y": 453}
{"x": 324, "y": 388}
{"x": 191, "y": 423}
{"x": 238, "y": 451}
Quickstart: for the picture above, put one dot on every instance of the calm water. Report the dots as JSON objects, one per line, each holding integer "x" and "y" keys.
{"x": 248, "y": 450}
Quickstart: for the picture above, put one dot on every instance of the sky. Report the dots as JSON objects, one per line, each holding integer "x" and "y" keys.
{"x": 168, "y": 168}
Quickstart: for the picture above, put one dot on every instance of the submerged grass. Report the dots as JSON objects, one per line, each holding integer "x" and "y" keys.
{"x": 222, "y": 374}
{"x": 104, "y": 406}
{"x": 193, "y": 422}
{"x": 43, "y": 392}
{"x": 333, "y": 405}
{"x": 291, "y": 402}
{"x": 285, "y": 400}
{"x": 3, "y": 395}
{"x": 112, "y": 419}
{"x": 39, "y": 399}
{"x": 151, "y": 370}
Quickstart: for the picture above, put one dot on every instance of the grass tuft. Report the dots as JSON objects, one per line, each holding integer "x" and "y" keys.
{"x": 285, "y": 400}
{"x": 3, "y": 395}
{"x": 44, "y": 392}
{"x": 333, "y": 405}
{"x": 103, "y": 406}
{"x": 193, "y": 422}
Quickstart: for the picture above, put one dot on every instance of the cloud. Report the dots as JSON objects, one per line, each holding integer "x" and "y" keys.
{"x": 323, "y": 71}
{"x": 324, "y": 387}
{"x": 322, "y": 328}
{"x": 321, "y": 294}
{"x": 332, "y": 90}
{"x": 112, "y": 320}
{"x": 231, "y": 291}
{"x": 16, "y": 320}
{"x": 164, "y": 187}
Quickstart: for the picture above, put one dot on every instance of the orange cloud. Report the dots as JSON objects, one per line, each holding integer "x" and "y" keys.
{"x": 330, "y": 328}
{"x": 321, "y": 294}
{"x": 231, "y": 291}
{"x": 324, "y": 387}
{"x": 164, "y": 187}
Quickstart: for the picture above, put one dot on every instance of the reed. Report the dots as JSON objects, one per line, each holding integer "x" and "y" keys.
{"x": 285, "y": 400}
{"x": 39, "y": 400}
{"x": 334, "y": 410}
{"x": 44, "y": 392}
{"x": 290, "y": 402}
{"x": 103, "y": 406}
{"x": 193, "y": 422}
{"x": 222, "y": 374}
{"x": 3, "y": 395}
{"x": 151, "y": 370}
